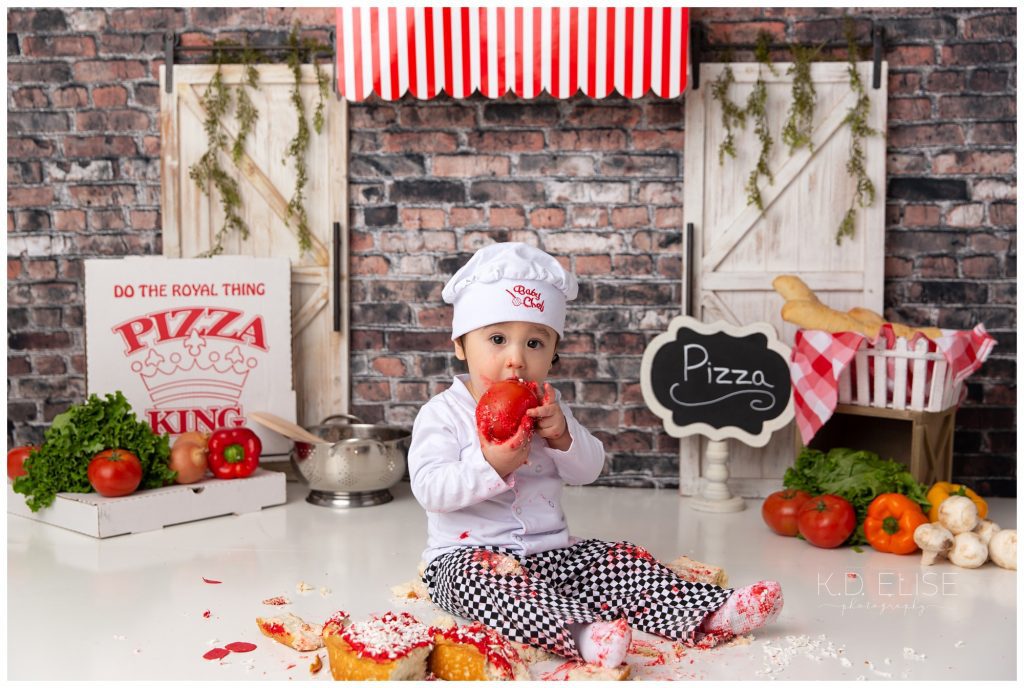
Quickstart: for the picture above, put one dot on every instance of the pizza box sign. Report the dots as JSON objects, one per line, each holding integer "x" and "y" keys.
{"x": 718, "y": 380}
{"x": 193, "y": 344}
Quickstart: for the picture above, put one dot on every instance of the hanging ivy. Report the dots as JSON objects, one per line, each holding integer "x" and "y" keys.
{"x": 218, "y": 100}
{"x": 208, "y": 171}
{"x": 246, "y": 113}
{"x": 857, "y": 119}
{"x": 757, "y": 109}
{"x": 299, "y": 145}
{"x": 796, "y": 133}
{"x": 732, "y": 114}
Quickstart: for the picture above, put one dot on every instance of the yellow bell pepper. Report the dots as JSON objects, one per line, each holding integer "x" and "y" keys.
{"x": 941, "y": 491}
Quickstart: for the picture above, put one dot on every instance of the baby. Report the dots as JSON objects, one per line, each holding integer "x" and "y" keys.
{"x": 498, "y": 545}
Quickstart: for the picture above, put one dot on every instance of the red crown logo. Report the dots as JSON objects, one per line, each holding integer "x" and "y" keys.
{"x": 207, "y": 371}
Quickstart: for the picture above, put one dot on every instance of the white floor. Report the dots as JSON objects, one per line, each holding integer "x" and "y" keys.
{"x": 135, "y": 606}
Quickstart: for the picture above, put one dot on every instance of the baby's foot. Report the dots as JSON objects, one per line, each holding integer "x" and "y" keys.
{"x": 746, "y": 609}
{"x": 603, "y": 642}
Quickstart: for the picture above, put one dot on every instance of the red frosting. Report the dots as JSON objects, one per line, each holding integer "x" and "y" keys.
{"x": 489, "y": 642}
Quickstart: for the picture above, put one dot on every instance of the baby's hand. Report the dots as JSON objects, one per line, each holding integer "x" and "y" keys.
{"x": 507, "y": 457}
{"x": 551, "y": 423}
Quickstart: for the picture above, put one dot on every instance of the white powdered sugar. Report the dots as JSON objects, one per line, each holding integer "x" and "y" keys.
{"x": 391, "y": 635}
{"x": 818, "y": 649}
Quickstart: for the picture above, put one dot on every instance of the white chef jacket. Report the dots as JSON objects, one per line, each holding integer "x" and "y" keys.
{"x": 469, "y": 504}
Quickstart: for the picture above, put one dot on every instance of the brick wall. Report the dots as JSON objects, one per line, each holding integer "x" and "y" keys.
{"x": 597, "y": 183}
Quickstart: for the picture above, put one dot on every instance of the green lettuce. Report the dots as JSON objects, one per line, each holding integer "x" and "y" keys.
{"x": 81, "y": 432}
{"x": 856, "y": 476}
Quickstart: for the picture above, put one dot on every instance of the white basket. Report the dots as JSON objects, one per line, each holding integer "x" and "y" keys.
{"x": 899, "y": 378}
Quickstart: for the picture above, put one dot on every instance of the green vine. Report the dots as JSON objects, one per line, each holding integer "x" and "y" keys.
{"x": 299, "y": 145}
{"x": 245, "y": 112}
{"x": 757, "y": 108}
{"x": 216, "y": 101}
{"x": 796, "y": 133}
{"x": 857, "y": 119}
{"x": 732, "y": 114}
{"x": 208, "y": 173}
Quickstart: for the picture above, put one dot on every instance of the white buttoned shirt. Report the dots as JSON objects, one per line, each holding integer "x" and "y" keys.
{"x": 469, "y": 504}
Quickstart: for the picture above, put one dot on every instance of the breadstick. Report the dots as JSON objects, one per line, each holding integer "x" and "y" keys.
{"x": 873, "y": 321}
{"x": 816, "y": 316}
{"x": 792, "y": 288}
{"x": 907, "y": 332}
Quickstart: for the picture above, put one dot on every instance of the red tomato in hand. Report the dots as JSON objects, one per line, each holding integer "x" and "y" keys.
{"x": 780, "y": 509}
{"x": 826, "y": 521}
{"x": 502, "y": 409}
{"x": 16, "y": 460}
{"x": 115, "y": 472}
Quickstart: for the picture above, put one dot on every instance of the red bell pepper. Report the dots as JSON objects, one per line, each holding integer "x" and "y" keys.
{"x": 234, "y": 452}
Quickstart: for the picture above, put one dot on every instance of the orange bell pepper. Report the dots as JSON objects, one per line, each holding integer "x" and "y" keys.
{"x": 941, "y": 491}
{"x": 891, "y": 521}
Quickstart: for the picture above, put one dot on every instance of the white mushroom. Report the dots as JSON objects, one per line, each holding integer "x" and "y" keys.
{"x": 958, "y": 514}
{"x": 934, "y": 540}
{"x": 968, "y": 551}
{"x": 1003, "y": 549}
{"x": 986, "y": 529}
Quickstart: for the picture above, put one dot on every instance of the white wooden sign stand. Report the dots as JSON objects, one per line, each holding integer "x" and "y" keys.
{"x": 715, "y": 495}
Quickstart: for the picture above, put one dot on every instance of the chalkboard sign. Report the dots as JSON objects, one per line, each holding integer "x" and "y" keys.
{"x": 718, "y": 380}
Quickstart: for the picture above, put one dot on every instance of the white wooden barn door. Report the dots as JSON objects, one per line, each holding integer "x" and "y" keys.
{"x": 320, "y": 346}
{"x": 738, "y": 250}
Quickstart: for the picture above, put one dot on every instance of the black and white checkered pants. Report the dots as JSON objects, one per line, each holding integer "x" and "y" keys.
{"x": 592, "y": 580}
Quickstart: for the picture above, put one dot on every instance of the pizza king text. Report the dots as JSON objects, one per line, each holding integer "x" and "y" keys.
{"x": 179, "y": 323}
{"x": 178, "y": 420}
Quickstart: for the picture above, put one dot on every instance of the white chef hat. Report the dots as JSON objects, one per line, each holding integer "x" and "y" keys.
{"x": 506, "y": 282}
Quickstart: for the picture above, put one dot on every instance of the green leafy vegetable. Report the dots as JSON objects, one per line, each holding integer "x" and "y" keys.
{"x": 78, "y": 434}
{"x": 856, "y": 476}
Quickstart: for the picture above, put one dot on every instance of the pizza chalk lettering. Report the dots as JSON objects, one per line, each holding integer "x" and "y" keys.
{"x": 718, "y": 380}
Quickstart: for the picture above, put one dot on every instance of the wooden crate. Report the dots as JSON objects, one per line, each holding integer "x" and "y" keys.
{"x": 917, "y": 379}
{"x": 921, "y": 440}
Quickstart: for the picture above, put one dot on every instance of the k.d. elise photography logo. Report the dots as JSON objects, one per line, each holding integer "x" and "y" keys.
{"x": 871, "y": 591}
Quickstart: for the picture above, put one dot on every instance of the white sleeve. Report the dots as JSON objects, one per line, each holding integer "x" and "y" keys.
{"x": 444, "y": 476}
{"x": 582, "y": 462}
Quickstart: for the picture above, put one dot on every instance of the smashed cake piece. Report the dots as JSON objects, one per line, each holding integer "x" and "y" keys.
{"x": 292, "y": 631}
{"x": 475, "y": 652}
{"x": 697, "y": 572}
{"x": 336, "y": 623}
{"x": 413, "y": 590}
{"x": 277, "y": 601}
{"x": 532, "y": 655}
{"x": 387, "y": 647}
{"x": 499, "y": 564}
{"x": 580, "y": 671}
{"x": 444, "y": 622}
{"x": 592, "y": 672}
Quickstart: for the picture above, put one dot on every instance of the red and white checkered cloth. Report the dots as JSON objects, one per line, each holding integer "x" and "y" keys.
{"x": 819, "y": 358}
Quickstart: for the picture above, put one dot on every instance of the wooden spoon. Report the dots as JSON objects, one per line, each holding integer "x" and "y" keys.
{"x": 286, "y": 427}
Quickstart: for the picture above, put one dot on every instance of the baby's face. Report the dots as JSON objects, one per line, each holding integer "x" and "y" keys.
{"x": 506, "y": 350}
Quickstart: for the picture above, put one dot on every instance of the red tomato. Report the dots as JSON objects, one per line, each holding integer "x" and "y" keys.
{"x": 780, "y": 509}
{"x": 115, "y": 472}
{"x": 826, "y": 521}
{"x": 16, "y": 460}
{"x": 502, "y": 408}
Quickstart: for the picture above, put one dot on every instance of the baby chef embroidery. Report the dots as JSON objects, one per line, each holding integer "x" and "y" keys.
{"x": 523, "y": 297}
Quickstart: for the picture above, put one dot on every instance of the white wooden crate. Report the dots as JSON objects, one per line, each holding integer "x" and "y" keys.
{"x": 102, "y": 517}
{"x": 915, "y": 379}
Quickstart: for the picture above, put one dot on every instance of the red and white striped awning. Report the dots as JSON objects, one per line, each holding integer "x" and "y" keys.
{"x": 493, "y": 50}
